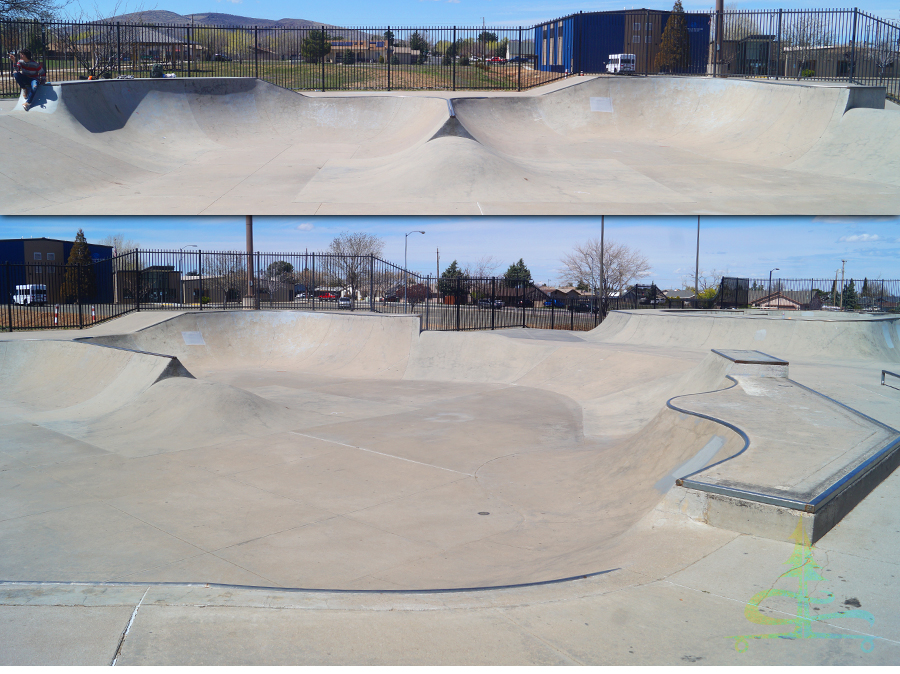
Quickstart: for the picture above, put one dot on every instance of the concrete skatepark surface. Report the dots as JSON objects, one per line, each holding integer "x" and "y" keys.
{"x": 352, "y": 452}
{"x": 586, "y": 145}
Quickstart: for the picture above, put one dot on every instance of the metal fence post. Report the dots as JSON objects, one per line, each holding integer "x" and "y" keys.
{"x": 190, "y": 51}
{"x": 458, "y": 292}
{"x": 200, "y": 277}
{"x": 323, "y": 58}
{"x": 9, "y": 290}
{"x": 78, "y": 293}
{"x": 493, "y": 295}
{"x": 552, "y": 314}
{"x": 118, "y": 48}
{"x": 778, "y": 48}
{"x": 519, "y": 62}
{"x": 427, "y": 299}
{"x": 388, "y": 39}
{"x": 645, "y": 33}
{"x": 853, "y": 47}
{"x": 256, "y": 52}
{"x": 372, "y": 283}
{"x": 313, "y": 283}
{"x": 453, "y": 60}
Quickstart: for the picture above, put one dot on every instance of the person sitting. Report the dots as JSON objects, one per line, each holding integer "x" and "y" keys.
{"x": 29, "y": 75}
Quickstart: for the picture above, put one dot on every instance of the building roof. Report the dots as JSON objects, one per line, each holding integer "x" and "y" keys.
{"x": 44, "y": 238}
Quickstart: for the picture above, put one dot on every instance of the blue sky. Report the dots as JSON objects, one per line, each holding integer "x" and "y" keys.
{"x": 802, "y": 247}
{"x": 437, "y": 12}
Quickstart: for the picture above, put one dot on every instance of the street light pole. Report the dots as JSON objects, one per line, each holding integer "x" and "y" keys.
{"x": 405, "y": 269}
{"x": 770, "y": 282}
{"x": 697, "y": 269}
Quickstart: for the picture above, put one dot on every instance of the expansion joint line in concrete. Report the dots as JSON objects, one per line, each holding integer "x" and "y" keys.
{"x": 372, "y": 451}
{"x": 127, "y": 629}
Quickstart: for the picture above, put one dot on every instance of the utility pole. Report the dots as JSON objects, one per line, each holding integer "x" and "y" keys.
{"x": 602, "y": 270}
{"x": 697, "y": 269}
{"x": 438, "y": 267}
{"x": 251, "y": 291}
{"x": 841, "y": 295}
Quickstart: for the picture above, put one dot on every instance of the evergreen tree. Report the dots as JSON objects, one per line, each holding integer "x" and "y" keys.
{"x": 79, "y": 283}
{"x": 315, "y": 46}
{"x": 850, "y": 300}
{"x": 395, "y": 60}
{"x": 675, "y": 47}
{"x": 517, "y": 275}
{"x": 349, "y": 58}
{"x": 448, "y": 284}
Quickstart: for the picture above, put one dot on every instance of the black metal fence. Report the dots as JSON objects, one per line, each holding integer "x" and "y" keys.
{"x": 876, "y": 295}
{"x": 310, "y": 58}
{"x": 846, "y": 45}
{"x": 46, "y": 296}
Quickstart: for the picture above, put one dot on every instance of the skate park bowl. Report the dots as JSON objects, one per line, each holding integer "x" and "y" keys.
{"x": 347, "y": 452}
{"x": 586, "y": 145}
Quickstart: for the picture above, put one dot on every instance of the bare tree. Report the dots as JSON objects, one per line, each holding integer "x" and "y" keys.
{"x": 708, "y": 281}
{"x": 805, "y": 37}
{"x": 226, "y": 272}
{"x": 119, "y": 243}
{"x": 621, "y": 266}
{"x": 486, "y": 265}
{"x": 353, "y": 253}
{"x": 40, "y": 10}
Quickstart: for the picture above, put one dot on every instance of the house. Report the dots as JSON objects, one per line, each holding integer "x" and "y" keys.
{"x": 786, "y": 300}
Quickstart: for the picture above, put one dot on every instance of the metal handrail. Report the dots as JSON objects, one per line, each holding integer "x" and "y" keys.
{"x": 893, "y": 374}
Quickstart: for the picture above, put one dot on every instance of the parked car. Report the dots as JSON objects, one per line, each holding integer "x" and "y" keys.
{"x": 525, "y": 303}
{"x": 554, "y": 303}
{"x": 391, "y": 298}
{"x": 221, "y": 57}
{"x": 345, "y": 303}
{"x": 498, "y": 304}
{"x": 484, "y": 303}
{"x": 496, "y": 59}
{"x": 518, "y": 59}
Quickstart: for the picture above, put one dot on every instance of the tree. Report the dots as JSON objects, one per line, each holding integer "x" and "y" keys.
{"x": 487, "y": 36}
{"x": 621, "y": 266}
{"x": 316, "y": 45}
{"x": 803, "y": 36}
{"x": 227, "y": 273}
{"x": 418, "y": 42}
{"x": 675, "y": 47}
{"x": 709, "y": 282}
{"x": 389, "y": 37}
{"x": 416, "y": 293}
{"x": 518, "y": 275}
{"x": 485, "y": 266}
{"x": 79, "y": 283}
{"x": 349, "y": 58}
{"x": 850, "y": 301}
{"x": 351, "y": 262}
{"x": 42, "y": 10}
{"x": 446, "y": 60}
{"x": 395, "y": 60}
{"x": 448, "y": 285}
{"x": 120, "y": 244}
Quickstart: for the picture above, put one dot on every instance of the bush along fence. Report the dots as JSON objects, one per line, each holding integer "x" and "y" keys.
{"x": 47, "y": 296}
{"x": 846, "y": 45}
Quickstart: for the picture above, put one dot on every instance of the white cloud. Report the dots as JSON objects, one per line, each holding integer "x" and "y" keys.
{"x": 861, "y": 237}
{"x": 305, "y": 227}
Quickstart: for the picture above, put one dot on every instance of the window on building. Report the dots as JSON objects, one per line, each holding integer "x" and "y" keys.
{"x": 636, "y": 38}
{"x": 647, "y": 39}
{"x": 650, "y": 26}
{"x": 51, "y": 257}
{"x": 37, "y": 256}
{"x": 637, "y": 26}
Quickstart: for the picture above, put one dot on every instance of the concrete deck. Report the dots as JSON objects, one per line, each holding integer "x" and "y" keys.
{"x": 586, "y": 145}
{"x": 351, "y": 453}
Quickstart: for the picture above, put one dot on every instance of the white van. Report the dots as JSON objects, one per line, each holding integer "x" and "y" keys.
{"x": 620, "y": 63}
{"x": 33, "y": 293}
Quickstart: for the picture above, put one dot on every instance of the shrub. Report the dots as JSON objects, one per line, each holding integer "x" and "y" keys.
{"x": 446, "y": 61}
{"x": 464, "y": 61}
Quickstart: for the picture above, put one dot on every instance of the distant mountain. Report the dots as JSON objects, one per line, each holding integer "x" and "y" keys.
{"x": 160, "y": 16}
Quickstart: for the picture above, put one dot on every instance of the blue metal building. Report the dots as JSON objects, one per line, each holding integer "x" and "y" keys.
{"x": 582, "y": 43}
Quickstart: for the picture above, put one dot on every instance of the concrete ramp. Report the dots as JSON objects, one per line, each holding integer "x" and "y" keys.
{"x": 347, "y": 451}
{"x": 613, "y": 145}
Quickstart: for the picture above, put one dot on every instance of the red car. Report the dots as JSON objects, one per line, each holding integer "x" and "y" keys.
{"x": 496, "y": 59}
